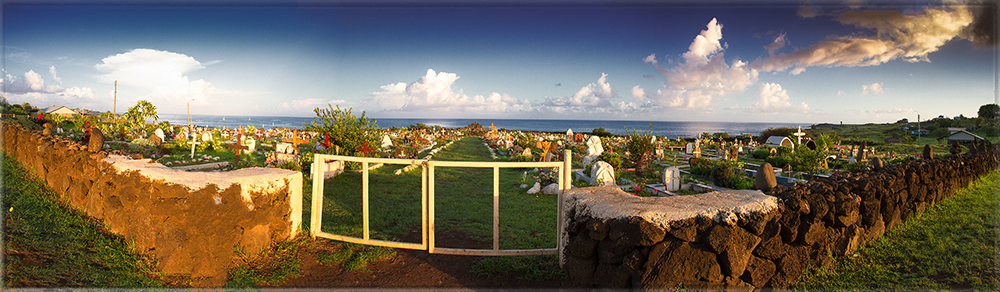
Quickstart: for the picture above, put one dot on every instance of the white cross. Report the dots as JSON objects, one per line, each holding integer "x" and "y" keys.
{"x": 193, "y": 142}
{"x": 798, "y": 135}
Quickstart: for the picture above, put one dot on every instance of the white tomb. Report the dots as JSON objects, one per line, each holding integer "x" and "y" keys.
{"x": 386, "y": 141}
{"x": 602, "y": 174}
{"x": 672, "y": 179}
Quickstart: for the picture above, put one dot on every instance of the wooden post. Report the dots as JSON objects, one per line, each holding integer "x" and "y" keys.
{"x": 114, "y": 109}
{"x": 239, "y": 148}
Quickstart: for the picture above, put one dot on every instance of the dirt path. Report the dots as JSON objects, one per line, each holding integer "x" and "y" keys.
{"x": 408, "y": 269}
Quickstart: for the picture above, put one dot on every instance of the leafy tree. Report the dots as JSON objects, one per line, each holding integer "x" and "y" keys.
{"x": 903, "y": 121}
{"x": 638, "y": 143}
{"x": 601, "y": 132}
{"x": 347, "y": 131}
{"x": 136, "y": 115}
{"x": 989, "y": 111}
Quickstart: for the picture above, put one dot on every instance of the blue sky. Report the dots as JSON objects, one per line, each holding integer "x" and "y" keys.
{"x": 662, "y": 61}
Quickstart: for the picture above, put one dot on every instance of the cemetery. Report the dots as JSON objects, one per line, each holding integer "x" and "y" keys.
{"x": 738, "y": 212}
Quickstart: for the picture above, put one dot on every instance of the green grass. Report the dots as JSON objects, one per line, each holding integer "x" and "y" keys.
{"x": 272, "y": 266}
{"x": 536, "y": 268}
{"x": 47, "y": 244}
{"x": 953, "y": 245}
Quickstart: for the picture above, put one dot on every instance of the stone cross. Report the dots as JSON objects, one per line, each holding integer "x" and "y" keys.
{"x": 193, "y": 142}
{"x": 798, "y": 136}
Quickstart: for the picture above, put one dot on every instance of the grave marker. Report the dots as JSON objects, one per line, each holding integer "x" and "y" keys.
{"x": 672, "y": 179}
{"x": 294, "y": 140}
{"x": 239, "y": 148}
{"x": 365, "y": 150}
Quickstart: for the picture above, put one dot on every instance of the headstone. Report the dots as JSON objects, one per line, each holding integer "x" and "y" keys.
{"x": 659, "y": 152}
{"x": 569, "y": 135}
{"x": 697, "y": 151}
{"x": 928, "y": 154}
{"x": 526, "y": 152}
{"x": 183, "y": 136}
{"x": 862, "y": 152}
{"x": 159, "y": 133}
{"x": 811, "y": 144}
{"x": 517, "y": 149}
{"x": 96, "y": 140}
{"x": 644, "y": 160}
{"x": 672, "y": 178}
{"x": 578, "y": 138}
{"x": 876, "y": 163}
{"x": 602, "y": 174}
{"x": 330, "y": 169}
{"x": 549, "y": 156}
{"x": 772, "y": 152}
{"x": 206, "y": 136}
{"x": 251, "y": 144}
{"x": 284, "y": 148}
{"x": 47, "y": 131}
{"x": 156, "y": 140}
{"x": 765, "y": 179}
{"x": 594, "y": 150}
{"x": 386, "y": 141}
{"x": 733, "y": 153}
{"x": 689, "y": 148}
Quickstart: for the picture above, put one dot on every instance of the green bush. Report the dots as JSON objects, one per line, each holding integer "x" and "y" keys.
{"x": 761, "y": 153}
{"x": 601, "y": 132}
{"x": 779, "y": 161}
{"x": 345, "y": 130}
{"x": 611, "y": 158}
{"x": 638, "y": 143}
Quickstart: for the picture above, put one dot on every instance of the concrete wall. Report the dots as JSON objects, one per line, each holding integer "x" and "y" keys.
{"x": 738, "y": 239}
{"x": 192, "y": 222}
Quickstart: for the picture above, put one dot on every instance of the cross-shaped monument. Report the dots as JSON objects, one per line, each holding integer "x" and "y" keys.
{"x": 295, "y": 141}
{"x": 239, "y": 148}
{"x": 365, "y": 150}
{"x": 193, "y": 142}
{"x": 798, "y": 136}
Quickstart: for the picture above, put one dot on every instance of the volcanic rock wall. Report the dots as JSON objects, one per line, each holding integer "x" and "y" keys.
{"x": 190, "y": 221}
{"x": 616, "y": 240}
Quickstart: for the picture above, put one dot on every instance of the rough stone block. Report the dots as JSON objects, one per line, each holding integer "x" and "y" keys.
{"x": 790, "y": 266}
{"x": 733, "y": 244}
{"x": 579, "y": 272}
{"x": 582, "y": 246}
{"x": 700, "y": 266}
{"x": 758, "y": 272}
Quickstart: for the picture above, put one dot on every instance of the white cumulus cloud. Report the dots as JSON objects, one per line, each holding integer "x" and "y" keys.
{"x": 433, "y": 93}
{"x": 772, "y": 98}
{"x": 703, "y": 75}
{"x": 28, "y": 82}
{"x": 52, "y": 70}
{"x": 873, "y": 88}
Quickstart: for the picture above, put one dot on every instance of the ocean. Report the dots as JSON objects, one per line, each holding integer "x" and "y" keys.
{"x": 663, "y": 129}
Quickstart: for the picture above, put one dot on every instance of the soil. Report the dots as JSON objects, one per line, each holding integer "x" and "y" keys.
{"x": 409, "y": 269}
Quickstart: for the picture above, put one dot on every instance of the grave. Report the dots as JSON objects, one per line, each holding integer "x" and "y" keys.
{"x": 594, "y": 150}
{"x": 239, "y": 149}
{"x": 672, "y": 178}
{"x": 602, "y": 174}
{"x": 159, "y": 133}
{"x": 386, "y": 142}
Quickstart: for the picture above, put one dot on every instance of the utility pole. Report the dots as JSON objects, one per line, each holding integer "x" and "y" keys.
{"x": 114, "y": 108}
{"x": 918, "y": 129}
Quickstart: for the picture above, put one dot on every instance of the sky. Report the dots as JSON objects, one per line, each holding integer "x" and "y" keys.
{"x": 798, "y": 62}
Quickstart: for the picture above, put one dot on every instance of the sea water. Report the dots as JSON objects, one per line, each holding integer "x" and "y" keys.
{"x": 671, "y": 129}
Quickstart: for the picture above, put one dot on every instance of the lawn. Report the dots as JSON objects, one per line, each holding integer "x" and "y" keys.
{"x": 951, "y": 246}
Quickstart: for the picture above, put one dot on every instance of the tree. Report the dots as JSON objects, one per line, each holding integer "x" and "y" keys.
{"x": 345, "y": 130}
{"x": 135, "y": 117}
{"x": 989, "y": 111}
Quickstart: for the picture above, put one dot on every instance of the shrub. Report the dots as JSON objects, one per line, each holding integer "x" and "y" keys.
{"x": 779, "y": 161}
{"x": 345, "y": 130}
{"x": 761, "y": 153}
{"x": 638, "y": 143}
{"x": 611, "y": 158}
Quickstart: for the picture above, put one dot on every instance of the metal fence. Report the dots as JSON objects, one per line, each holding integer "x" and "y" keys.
{"x": 427, "y": 203}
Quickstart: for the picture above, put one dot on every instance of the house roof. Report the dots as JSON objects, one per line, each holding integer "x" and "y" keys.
{"x": 60, "y": 109}
{"x": 962, "y": 135}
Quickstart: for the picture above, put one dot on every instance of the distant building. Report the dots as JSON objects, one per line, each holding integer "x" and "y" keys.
{"x": 953, "y": 130}
{"x": 60, "y": 110}
{"x": 962, "y": 137}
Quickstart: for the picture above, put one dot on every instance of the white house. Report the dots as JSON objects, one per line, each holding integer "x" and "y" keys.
{"x": 963, "y": 137}
{"x": 776, "y": 141}
{"x": 60, "y": 110}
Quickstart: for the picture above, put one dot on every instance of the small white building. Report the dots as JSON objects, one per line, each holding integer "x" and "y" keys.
{"x": 60, "y": 110}
{"x": 776, "y": 141}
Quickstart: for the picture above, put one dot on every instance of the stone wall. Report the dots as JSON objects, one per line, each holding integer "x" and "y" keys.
{"x": 192, "y": 222}
{"x": 736, "y": 239}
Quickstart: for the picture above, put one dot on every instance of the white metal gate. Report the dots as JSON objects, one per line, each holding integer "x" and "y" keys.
{"x": 427, "y": 203}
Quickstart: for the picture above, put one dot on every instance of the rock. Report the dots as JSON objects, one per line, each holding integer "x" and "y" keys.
{"x": 551, "y": 189}
{"x": 928, "y": 153}
{"x": 582, "y": 247}
{"x": 580, "y": 272}
{"x": 48, "y": 129}
{"x": 96, "y": 140}
{"x": 693, "y": 161}
{"x": 758, "y": 272}
{"x": 535, "y": 189}
{"x": 156, "y": 140}
{"x": 772, "y": 248}
{"x": 699, "y": 266}
{"x": 733, "y": 244}
{"x": 765, "y": 180}
{"x": 602, "y": 174}
{"x": 877, "y": 164}
{"x": 790, "y": 266}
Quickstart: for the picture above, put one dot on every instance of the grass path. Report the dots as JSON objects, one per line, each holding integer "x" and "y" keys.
{"x": 47, "y": 244}
{"x": 950, "y": 246}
